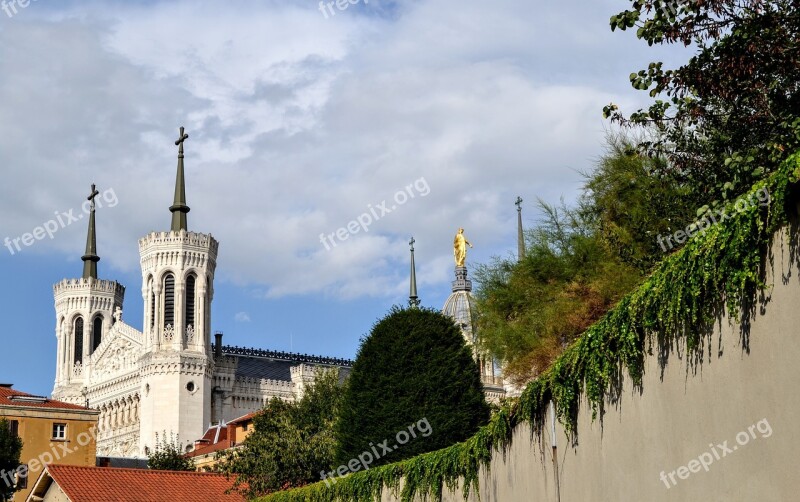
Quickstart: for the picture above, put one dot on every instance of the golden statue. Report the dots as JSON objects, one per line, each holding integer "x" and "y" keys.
{"x": 460, "y": 244}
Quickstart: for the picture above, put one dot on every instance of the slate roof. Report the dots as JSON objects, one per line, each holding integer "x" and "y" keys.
{"x": 274, "y": 365}
{"x": 109, "y": 484}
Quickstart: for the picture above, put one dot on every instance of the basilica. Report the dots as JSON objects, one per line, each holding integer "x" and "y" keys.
{"x": 172, "y": 376}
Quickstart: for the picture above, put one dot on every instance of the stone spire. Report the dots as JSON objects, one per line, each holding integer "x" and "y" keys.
{"x": 520, "y": 236}
{"x": 413, "y": 299}
{"x": 90, "y": 258}
{"x": 179, "y": 207}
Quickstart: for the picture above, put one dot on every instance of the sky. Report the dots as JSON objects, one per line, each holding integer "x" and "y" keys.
{"x": 408, "y": 119}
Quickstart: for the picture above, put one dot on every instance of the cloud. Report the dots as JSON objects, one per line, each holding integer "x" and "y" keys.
{"x": 241, "y": 317}
{"x": 299, "y": 123}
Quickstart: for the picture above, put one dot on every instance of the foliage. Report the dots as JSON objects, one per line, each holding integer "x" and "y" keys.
{"x": 291, "y": 441}
{"x": 10, "y": 450}
{"x": 632, "y": 200}
{"x": 529, "y": 311}
{"x": 168, "y": 455}
{"x": 727, "y": 116}
{"x": 677, "y": 304}
{"x": 413, "y": 366}
{"x": 580, "y": 261}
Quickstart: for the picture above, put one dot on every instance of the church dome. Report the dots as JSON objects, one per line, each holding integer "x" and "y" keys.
{"x": 460, "y": 305}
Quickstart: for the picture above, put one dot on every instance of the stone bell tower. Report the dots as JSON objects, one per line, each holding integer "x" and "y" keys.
{"x": 177, "y": 287}
{"x": 84, "y": 315}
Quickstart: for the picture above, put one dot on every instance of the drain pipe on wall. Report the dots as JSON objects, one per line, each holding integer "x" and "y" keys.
{"x": 555, "y": 449}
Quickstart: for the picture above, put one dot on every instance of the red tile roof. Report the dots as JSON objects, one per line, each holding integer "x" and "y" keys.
{"x": 243, "y": 419}
{"x": 109, "y": 484}
{"x": 215, "y": 439}
{"x": 11, "y": 397}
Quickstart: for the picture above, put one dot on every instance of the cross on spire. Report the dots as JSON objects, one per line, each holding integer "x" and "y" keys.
{"x": 179, "y": 141}
{"x": 90, "y": 258}
{"x": 92, "y": 195}
{"x": 179, "y": 207}
{"x": 413, "y": 299}
{"x": 520, "y": 234}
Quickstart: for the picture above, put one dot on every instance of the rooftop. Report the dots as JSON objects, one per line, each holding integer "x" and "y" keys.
{"x": 11, "y": 397}
{"x": 101, "y": 484}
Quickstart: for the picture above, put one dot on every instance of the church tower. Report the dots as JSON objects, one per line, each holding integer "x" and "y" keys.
{"x": 177, "y": 363}
{"x": 460, "y": 306}
{"x": 85, "y": 310}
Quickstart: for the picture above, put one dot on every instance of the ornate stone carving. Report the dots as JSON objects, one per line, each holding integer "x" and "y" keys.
{"x": 169, "y": 332}
{"x": 77, "y": 369}
{"x": 189, "y": 333}
{"x": 119, "y": 356}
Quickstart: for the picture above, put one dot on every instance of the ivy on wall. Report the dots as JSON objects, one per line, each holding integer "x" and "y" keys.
{"x": 719, "y": 271}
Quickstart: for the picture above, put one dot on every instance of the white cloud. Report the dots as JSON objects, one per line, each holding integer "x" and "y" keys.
{"x": 297, "y": 123}
{"x": 241, "y": 317}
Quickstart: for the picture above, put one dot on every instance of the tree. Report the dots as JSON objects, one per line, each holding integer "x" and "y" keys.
{"x": 731, "y": 113}
{"x": 580, "y": 260}
{"x": 633, "y": 199}
{"x": 414, "y": 388}
{"x": 169, "y": 456}
{"x": 291, "y": 443}
{"x": 10, "y": 451}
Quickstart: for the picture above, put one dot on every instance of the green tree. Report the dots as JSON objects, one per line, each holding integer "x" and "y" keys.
{"x": 168, "y": 455}
{"x": 291, "y": 443}
{"x": 10, "y": 450}
{"x": 633, "y": 200}
{"x": 580, "y": 260}
{"x": 529, "y": 311}
{"x": 414, "y": 368}
{"x": 730, "y": 114}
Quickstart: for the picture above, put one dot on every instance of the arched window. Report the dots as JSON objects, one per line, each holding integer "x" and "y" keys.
{"x": 97, "y": 332}
{"x": 152, "y": 296}
{"x": 78, "y": 354}
{"x": 169, "y": 300}
{"x": 152, "y": 309}
{"x": 191, "y": 281}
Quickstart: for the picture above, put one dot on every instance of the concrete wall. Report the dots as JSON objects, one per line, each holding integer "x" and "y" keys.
{"x": 749, "y": 400}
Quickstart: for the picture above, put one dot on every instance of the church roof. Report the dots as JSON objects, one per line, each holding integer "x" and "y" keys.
{"x": 275, "y": 365}
{"x": 460, "y": 306}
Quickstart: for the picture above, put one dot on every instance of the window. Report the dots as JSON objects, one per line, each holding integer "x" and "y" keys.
{"x": 22, "y": 476}
{"x": 60, "y": 431}
{"x": 13, "y": 427}
{"x": 78, "y": 354}
{"x": 97, "y": 332}
{"x": 169, "y": 300}
{"x": 190, "y": 290}
{"x": 152, "y": 309}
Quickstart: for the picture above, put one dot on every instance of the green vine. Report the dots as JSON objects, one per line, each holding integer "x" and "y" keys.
{"x": 717, "y": 272}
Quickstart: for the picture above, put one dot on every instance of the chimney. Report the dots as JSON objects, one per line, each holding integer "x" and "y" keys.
{"x": 217, "y": 344}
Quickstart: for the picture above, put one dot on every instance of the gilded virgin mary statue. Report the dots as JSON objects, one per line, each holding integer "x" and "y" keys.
{"x": 460, "y": 244}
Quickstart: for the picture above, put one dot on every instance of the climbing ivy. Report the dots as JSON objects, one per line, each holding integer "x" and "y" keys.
{"x": 717, "y": 272}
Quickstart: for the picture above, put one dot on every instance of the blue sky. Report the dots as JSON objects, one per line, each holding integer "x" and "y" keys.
{"x": 299, "y": 124}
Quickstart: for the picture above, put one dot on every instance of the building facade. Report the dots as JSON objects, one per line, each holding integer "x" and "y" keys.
{"x": 171, "y": 377}
{"x": 51, "y": 431}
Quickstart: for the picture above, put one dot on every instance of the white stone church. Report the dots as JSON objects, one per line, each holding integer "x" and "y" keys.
{"x": 171, "y": 377}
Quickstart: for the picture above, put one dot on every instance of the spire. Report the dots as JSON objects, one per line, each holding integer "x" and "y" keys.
{"x": 413, "y": 299}
{"x": 179, "y": 207}
{"x": 520, "y": 237}
{"x": 90, "y": 258}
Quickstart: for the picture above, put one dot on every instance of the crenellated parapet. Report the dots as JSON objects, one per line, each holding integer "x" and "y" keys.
{"x": 95, "y": 285}
{"x": 181, "y": 248}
